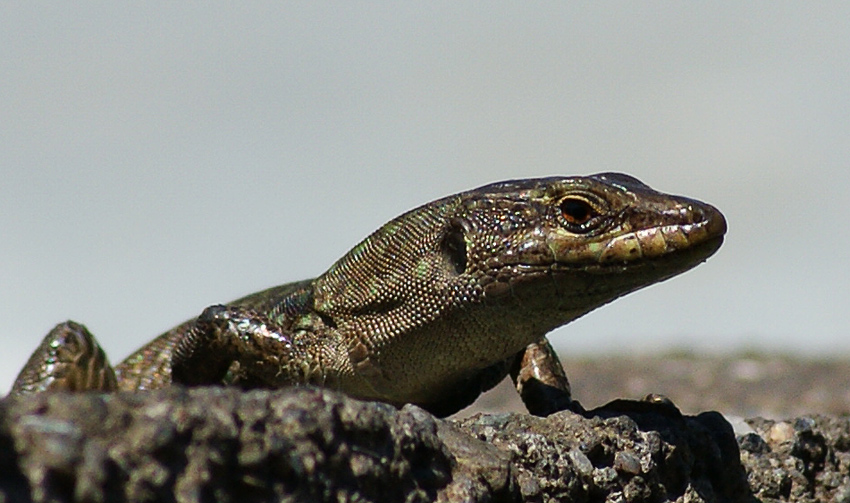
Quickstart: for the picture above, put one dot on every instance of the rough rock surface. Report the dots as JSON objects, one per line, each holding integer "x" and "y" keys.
{"x": 307, "y": 444}
{"x": 803, "y": 460}
{"x": 219, "y": 444}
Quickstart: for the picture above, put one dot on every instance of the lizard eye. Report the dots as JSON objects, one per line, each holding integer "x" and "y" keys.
{"x": 578, "y": 214}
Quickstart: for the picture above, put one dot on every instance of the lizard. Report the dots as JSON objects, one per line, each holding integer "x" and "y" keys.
{"x": 434, "y": 308}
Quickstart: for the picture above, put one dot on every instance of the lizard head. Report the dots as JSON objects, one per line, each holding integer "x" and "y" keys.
{"x": 558, "y": 245}
{"x": 594, "y": 238}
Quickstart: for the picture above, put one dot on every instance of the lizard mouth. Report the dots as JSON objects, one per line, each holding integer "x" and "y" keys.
{"x": 681, "y": 240}
{"x": 676, "y": 262}
{"x": 653, "y": 247}
{"x": 673, "y": 259}
{"x": 626, "y": 263}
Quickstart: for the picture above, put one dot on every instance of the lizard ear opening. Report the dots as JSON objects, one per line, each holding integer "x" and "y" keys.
{"x": 453, "y": 247}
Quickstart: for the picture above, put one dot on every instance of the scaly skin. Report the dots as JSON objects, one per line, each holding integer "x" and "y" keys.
{"x": 433, "y": 308}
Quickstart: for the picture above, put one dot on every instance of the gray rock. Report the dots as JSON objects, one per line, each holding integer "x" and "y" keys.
{"x": 806, "y": 459}
{"x": 305, "y": 444}
{"x": 219, "y": 444}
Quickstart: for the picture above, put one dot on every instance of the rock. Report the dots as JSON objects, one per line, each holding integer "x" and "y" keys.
{"x": 306, "y": 444}
{"x": 625, "y": 451}
{"x": 217, "y": 444}
{"x": 806, "y": 459}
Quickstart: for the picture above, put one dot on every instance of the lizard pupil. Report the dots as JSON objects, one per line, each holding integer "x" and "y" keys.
{"x": 576, "y": 211}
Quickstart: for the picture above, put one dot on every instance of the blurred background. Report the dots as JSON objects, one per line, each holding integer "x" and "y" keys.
{"x": 158, "y": 158}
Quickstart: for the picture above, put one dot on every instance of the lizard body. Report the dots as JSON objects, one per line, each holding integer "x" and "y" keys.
{"x": 433, "y": 308}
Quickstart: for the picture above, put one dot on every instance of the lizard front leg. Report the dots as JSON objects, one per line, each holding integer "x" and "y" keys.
{"x": 232, "y": 345}
{"x": 69, "y": 358}
{"x": 540, "y": 380}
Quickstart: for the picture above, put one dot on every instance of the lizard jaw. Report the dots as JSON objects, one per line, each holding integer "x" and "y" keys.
{"x": 629, "y": 261}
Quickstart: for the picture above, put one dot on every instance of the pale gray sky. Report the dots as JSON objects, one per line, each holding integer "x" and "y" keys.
{"x": 160, "y": 157}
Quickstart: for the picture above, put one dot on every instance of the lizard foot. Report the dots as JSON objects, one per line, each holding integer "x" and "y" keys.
{"x": 68, "y": 359}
